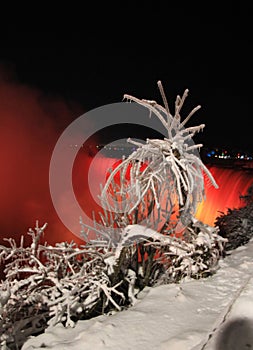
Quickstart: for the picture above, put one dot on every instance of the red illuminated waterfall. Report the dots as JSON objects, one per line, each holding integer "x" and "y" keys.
{"x": 28, "y": 133}
{"x": 232, "y": 182}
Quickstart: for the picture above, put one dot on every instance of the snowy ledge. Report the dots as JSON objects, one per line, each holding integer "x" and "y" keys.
{"x": 192, "y": 315}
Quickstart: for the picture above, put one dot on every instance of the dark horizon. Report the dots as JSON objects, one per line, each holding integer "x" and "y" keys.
{"x": 206, "y": 50}
{"x": 226, "y": 126}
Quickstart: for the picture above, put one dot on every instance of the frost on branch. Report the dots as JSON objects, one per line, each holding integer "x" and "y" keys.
{"x": 166, "y": 181}
{"x": 45, "y": 285}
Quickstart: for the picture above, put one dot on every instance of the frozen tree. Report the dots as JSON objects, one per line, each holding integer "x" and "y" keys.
{"x": 149, "y": 201}
{"x": 166, "y": 177}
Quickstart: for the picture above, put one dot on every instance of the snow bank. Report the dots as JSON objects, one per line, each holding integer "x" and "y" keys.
{"x": 195, "y": 314}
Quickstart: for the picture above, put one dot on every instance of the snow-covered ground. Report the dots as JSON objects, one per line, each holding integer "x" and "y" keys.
{"x": 215, "y": 313}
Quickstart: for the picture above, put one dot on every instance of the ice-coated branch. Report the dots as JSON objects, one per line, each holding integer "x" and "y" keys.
{"x": 172, "y": 167}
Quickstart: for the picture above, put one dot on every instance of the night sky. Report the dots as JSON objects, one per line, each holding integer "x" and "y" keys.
{"x": 90, "y": 64}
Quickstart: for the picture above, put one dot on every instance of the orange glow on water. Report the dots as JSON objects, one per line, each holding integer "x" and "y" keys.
{"x": 232, "y": 182}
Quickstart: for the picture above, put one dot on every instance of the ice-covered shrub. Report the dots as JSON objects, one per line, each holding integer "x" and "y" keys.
{"x": 45, "y": 284}
{"x": 166, "y": 176}
{"x": 157, "y": 188}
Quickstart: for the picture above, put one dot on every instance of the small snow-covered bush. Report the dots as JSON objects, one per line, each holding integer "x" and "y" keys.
{"x": 49, "y": 284}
